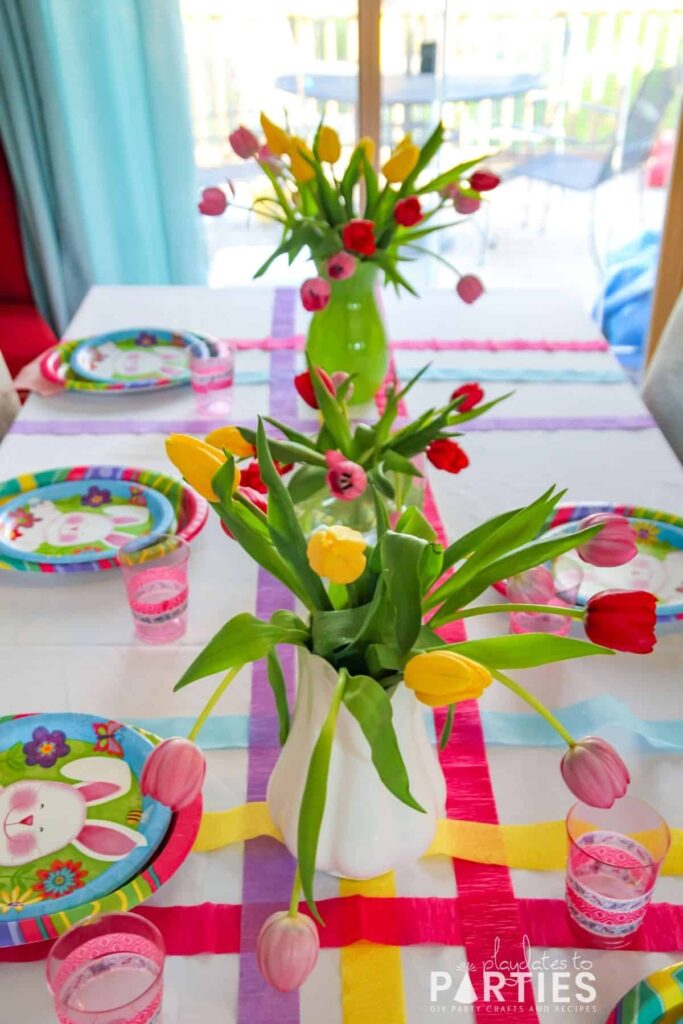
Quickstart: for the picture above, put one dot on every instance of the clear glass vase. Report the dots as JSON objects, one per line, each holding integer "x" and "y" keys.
{"x": 349, "y": 333}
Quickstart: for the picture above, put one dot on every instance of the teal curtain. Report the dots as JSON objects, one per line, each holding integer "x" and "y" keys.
{"x": 95, "y": 121}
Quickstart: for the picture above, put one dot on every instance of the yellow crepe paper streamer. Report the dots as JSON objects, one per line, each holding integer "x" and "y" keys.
{"x": 537, "y": 847}
{"x": 371, "y": 974}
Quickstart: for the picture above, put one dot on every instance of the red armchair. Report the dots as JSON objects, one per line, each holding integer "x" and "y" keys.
{"x": 23, "y": 332}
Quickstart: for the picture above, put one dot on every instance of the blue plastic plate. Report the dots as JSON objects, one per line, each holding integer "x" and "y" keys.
{"x": 135, "y": 358}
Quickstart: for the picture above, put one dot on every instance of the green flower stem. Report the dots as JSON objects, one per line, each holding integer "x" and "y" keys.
{"x": 543, "y": 609}
{"x": 296, "y": 889}
{"x": 213, "y": 700}
{"x": 536, "y": 704}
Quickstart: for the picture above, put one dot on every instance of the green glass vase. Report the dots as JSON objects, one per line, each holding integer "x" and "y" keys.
{"x": 349, "y": 334}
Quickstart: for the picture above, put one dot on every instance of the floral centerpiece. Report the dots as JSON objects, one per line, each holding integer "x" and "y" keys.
{"x": 340, "y": 467}
{"x": 354, "y": 224}
{"x": 357, "y": 789}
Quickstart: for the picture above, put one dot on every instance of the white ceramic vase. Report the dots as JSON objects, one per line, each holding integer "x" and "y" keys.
{"x": 366, "y": 831}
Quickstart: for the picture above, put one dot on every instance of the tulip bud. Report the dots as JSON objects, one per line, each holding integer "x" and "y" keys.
{"x": 298, "y": 151}
{"x": 445, "y": 677}
{"x": 304, "y": 385}
{"x": 198, "y": 462}
{"x": 614, "y": 545}
{"x": 244, "y": 143}
{"x": 337, "y": 553}
{"x": 484, "y": 180}
{"x": 315, "y": 294}
{"x": 594, "y": 772}
{"x": 448, "y": 455}
{"x": 622, "y": 619}
{"x": 231, "y": 439}
{"x": 469, "y": 288}
{"x": 346, "y": 479}
{"x": 174, "y": 773}
{"x": 340, "y": 266}
{"x": 277, "y": 138}
{"x": 465, "y": 204}
{"x": 329, "y": 147}
{"x": 470, "y": 395}
{"x": 213, "y": 202}
{"x": 287, "y": 950}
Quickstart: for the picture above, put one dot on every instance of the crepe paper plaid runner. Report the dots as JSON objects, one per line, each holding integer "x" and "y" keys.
{"x": 298, "y": 341}
{"x": 268, "y": 869}
{"x": 192, "y": 425}
{"x": 501, "y": 728}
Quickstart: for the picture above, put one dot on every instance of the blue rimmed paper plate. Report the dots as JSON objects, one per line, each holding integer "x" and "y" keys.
{"x": 189, "y": 513}
{"x": 657, "y": 999}
{"x": 657, "y": 568}
{"x": 81, "y": 520}
{"x": 74, "y": 825}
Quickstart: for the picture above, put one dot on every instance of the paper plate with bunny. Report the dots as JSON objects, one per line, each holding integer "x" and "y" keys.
{"x": 81, "y": 520}
{"x": 134, "y": 359}
{"x": 74, "y": 825}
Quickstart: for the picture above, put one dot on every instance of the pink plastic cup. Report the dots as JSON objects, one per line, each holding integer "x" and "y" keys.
{"x": 108, "y": 970}
{"x": 613, "y": 861}
{"x": 212, "y": 378}
{"x": 157, "y": 587}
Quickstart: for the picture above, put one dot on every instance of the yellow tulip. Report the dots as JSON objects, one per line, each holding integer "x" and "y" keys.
{"x": 329, "y": 146}
{"x": 401, "y": 163}
{"x": 337, "y": 553}
{"x": 232, "y": 440}
{"x": 368, "y": 146}
{"x": 277, "y": 138}
{"x": 301, "y": 169}
{"x": 198, "y": 462}
{"x": 444, "y": 677}
{"x": 407, "y": 140}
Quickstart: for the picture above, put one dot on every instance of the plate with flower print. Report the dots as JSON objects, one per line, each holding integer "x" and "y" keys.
{"x": 74, "y": 825}
{"x": 81, "y": 520}
{"x": 657, "y": 999}
{"x": 135, "y": 358}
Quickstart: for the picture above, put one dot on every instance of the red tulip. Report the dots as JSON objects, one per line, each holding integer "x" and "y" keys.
{"x": 446, "y": 454}
{"x": 466, "y": 204}
{"x": 304, "y": 386}
{"x": 244, "y": 142}
{"x": 473, "y": 394}
{"x": 594, "y": 772}
{"x": 359, "y": 236}
{"x": 622, "y": 619}
{"x": 213, "y": 202}
{"x": 484, "y": 181}
{"x": 346, "y": 479}
{"x": 340, "y": 266}
{"x": 408, "y": 212}
{"x": 469, "y": 288}
{"x": 315, "y": 294}
{"x": 614, "y": 545}
{"x": 287, "y": 950}
{"x": 250, "y": 477}
{"x": 174, "y": 773}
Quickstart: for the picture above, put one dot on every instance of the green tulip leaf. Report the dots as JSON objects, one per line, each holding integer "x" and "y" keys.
{"x": 305, "y": 482}
{"x": 413, "y": 521}
{"x": 276, "y": 680}
{"x": 526, "y": 650}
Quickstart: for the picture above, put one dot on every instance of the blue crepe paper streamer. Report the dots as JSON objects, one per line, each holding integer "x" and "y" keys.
{"x": 452, "y": 373}
{"x": 501, "y": 728}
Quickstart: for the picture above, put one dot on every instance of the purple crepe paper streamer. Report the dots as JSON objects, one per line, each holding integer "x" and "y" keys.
{"x": 194, "y": 426}
{"x": 268, "y": 871}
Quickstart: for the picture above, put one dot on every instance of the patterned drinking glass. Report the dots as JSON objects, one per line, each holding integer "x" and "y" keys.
{"x": 212, "y": 378}
{"x": 108, "y": 970}
{"x": 613, "y": 861}
{"x": 157, "y": 587}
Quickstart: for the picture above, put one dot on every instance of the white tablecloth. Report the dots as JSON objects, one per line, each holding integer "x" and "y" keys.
{"x": 71, "y": 646}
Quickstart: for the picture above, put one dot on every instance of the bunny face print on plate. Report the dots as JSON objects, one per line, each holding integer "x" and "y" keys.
{"x": 81, "y": 520}
{"x": 134, "y": 357}
{"x": 73, "y": 822}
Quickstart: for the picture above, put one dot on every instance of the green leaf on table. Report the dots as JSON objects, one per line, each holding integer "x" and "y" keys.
{"x": 314, "y": 797}
{"x": 243, "y": 639}
{"x": 285, "y": 530}
{"x": 370, "y": 705}
{"x": 276, "y": 680}
{"x": 526, "y": 650}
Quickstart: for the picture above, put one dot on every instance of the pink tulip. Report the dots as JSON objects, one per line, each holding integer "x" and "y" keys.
{"x": 346, "y": 479}
{"x": 614, "y": 545}
{"x": 315, "y": 294}
{"x": 466, "y": 204}
{"x": 264, "y": 156}
{"x": 340, "y": 266}
{"x": 243, "y": 142}
{"x": 213, "y": 202}
{"x": 174, "y": 773}
{"x": 535, "y": 586}
{"x": 594, "y": 772}
{"x": 469, "y": 288}
{"x": 338, "y": 378}
{"x": 287, "y": 950}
